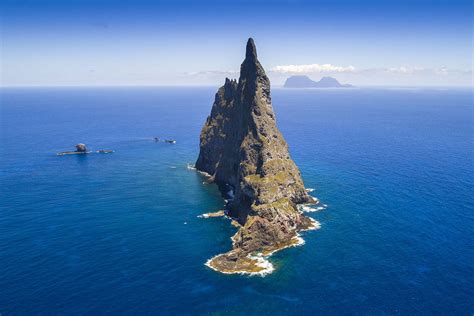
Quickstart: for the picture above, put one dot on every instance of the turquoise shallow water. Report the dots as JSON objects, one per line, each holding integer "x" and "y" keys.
{"x": 119, "y": 233}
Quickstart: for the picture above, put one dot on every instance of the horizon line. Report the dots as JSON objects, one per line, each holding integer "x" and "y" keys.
{"x": 211, "y": 85}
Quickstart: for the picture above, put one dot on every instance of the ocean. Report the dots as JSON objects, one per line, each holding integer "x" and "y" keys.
{"x": 120, "y": 233}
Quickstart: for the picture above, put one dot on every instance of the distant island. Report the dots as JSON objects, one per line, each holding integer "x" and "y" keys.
{"x": 244, "y": 153}
{"x": 306, "y": 82}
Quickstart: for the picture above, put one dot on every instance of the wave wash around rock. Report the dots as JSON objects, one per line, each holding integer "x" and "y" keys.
{"x": 244, "y": 153}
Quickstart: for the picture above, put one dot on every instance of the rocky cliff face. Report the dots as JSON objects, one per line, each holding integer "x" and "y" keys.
{"x": 245, "y": 154}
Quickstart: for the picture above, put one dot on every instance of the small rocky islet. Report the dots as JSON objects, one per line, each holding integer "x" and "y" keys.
{"x": 81, "y": 149}
{"x": 244, "y": 153}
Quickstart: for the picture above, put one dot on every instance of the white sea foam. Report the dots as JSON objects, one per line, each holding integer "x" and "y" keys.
{"x": 314, "y": 225}
{"x": 299, "y": 241}
{"x": 308, "y": 208}
{"x": 207, "y": 175}
{"x": 305, "y": 208}
{"x": 309, "y": 189}
{"x": 263, "y": 263}
{"x": 315, "y": 200}
{"x": 233, "y": 238}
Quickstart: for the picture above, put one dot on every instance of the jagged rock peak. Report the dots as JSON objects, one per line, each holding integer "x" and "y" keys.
{"x": 251, "y": 50}
{"x": 245, "y": 154}
{"x": 230, "y": 82}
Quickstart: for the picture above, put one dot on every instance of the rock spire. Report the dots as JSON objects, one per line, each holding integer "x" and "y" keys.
{"x": 245, "y": 154}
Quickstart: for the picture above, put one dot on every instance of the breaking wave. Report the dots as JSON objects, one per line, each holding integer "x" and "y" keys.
{"x": 309, "y": 208}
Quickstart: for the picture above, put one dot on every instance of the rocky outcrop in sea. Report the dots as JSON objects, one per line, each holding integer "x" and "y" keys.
{"x": 245, "y": 154}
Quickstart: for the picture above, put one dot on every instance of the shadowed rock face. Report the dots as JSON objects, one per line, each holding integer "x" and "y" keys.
{"x": 242, "y": 148}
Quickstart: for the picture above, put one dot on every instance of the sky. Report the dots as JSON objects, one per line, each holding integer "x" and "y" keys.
{"x": 182, "y": 42}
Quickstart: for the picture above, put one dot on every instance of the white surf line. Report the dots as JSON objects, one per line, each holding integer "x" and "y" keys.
{"x": 315, "y": 225}
{"x": 309, "y": 208}
{"x": 300, "y": 242}
{"x": 205, "y": 174}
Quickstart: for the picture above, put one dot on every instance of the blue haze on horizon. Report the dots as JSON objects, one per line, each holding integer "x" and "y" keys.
{"x": 407, "y": 43}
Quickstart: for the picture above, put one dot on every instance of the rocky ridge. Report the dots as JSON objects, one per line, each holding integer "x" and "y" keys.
{"x": 245, "y": 154}
{"x": 306, "y": 82}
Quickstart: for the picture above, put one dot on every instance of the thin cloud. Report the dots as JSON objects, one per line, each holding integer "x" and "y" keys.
{"x": 333, "y": 69}
{"x": 405, "y": 70}
{"x": 440, "y": 71}
{"x": 313, "y": 68}
{"x": 329, "y": 69}
{"x": 212, "y": 73}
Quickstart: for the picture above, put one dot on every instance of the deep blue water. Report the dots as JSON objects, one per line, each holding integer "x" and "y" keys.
{"x": 119, "y": 233}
